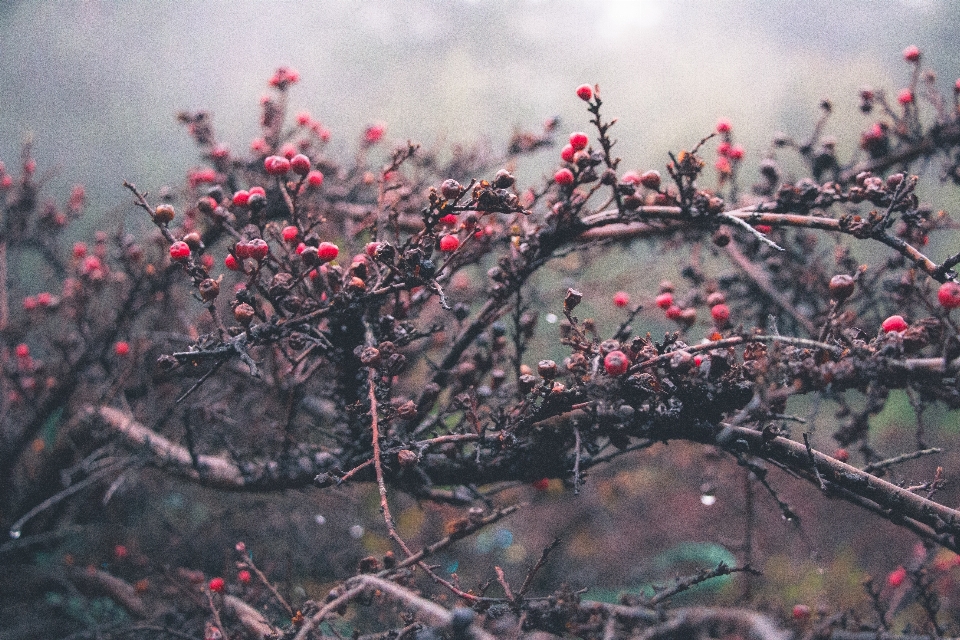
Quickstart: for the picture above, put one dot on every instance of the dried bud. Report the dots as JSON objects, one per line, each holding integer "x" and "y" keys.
{"x": 547, "y": 369}
{"x": 243, "y": 313}
{"x": 841, "y": 287}
{"x": 209, "y": 289}
{"x": 503, "y": 179}
{"x": 406, "y": 458}
{"x": 370, "y": 357}
{"x": 164, "y": 213}
{"x": 450, "y": 189}
{"x": 721, "y": 237}
{"x": 527, "y": 382}
{"x": 572, "y": 299}
{"x": 408, "y": 410}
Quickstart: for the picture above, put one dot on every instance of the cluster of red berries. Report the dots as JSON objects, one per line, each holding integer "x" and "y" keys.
{"x": 728, "y": 154}
{"x": 719, "y": 311}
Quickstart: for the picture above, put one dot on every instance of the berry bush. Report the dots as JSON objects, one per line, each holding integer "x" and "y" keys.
{"x": 288, "y": 325}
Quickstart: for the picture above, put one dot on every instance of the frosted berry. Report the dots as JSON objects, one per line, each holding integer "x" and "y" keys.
{"x": 79, "y": 250}
{"x": 616, "y": 363}
{"x": 449, "y": 243}
{"x": 563, "y": 177}
{"x": 905, "y": 97}
{"x": 258, "y": 191}
{"x": 22, "y": 351}
{"x": 121, "y": 348}
{"x": 288, "y": 151}
{"x": 801, "y": 612}
{"x": 949, "y": 295}
{"x": 674, "y": 312}
{"x": 374, "y": 133}
{"x": 584, "y": 92}
{"x": 621, "y": 299}
{"x": 231, "y": 262}
{"x": 216, "y": 585}
{"x": 650, "y": 179}
{"x": 327, "y": 251}
{"x": 723, "y": 126}
{"x": 276, "y": 165}
{"x": 304, "y": 118}
{"x": 242, "y": 249}
{"x": 911, "y": 53}
{"x": 300, "y": 164}
{"x": 736, "y": 152}
{"x": 290, "y": 234}
{"x": 258, "y": 249}
{"x": 243, "y": 576}
{"x": 842, "y": 455}
{"x": 179, "y": 250}
{"x": 566, "y": 154}
{"x": 450, "y": 219}
{"x": 314, "y": 178}
{"x": 29, "y": 303}
{"x": 720, "y": 314}
{"x": 371, "y": 248}
{"x": 665, "y": 300}
{"x": 579, "y": 140}
{"x": 894, "y": 323}
{"x": 451, "y": 189}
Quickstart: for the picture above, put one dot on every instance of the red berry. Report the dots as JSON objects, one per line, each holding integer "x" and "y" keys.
{"x": 300, "y": 164}
{"x": 956, "y": 86}
{"x": 949, "y": 295}
{"x": 650, "y": 179}
{"x": 566, "y": 154}
{"x": 304, "y": 118}
{"x": 541, "y": 485}
{"x": 763, "y": 228}
{"x": 79, "y": 250}
{"x": 216, "y": 585}
{"x": 119, "y": 552}
{"x": 44, "y": 299}
{"x": 563, "y": 177}
{"x": 723, "y": 149}
{"x": 29, "y": 303}
{"x": 258, "y": 191}
{"x": 697, "y": 360}
{"x": 121, "y": 348}
{"x": 720, "y": 314}
{"x": 723, "y": 126}
{"x": 374, "y": 133}
{"x": 674, "y": 312}
{"x": 290, "y": 234}
{"x": 905, "y": 97}
{"x": 450, "y": 219}
{"x": 621, "y": 298}
{"x": 841, "y": 454}
{"x": 896, "y": 577}
{"x": 231, "y": 262}
{"x": 894, "y": 323}
{"x": 288, "y": 151}
{"x": 579, "y": 140}
{"x": 371, "y": 248}
{"x": 665, "y": 300}
{"x": 631, "y": 177}
{"x": 801, "y": 612}
{"x": 616, "y": 363}
{"x": 449, "y": 243}
{"x": 584, "y": 92}
{"x": 736, "y": 152}
{"x": 179, "y": 250}
{"x": 258, "y": 249}
{"x": 911, "y": 53}
{"x": 276, "y": 165}
{"x": 22, "y": 351}
{"x": 242, "y": 249}
{"x": 327, "y": 251}
{"x": 314, "y": 178}
{"x": 243, "y": 576}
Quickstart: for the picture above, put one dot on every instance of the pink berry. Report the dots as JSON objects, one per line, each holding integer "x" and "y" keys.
{"x": 956, "y": 86}
{"x": 911, "y": 53}
{"x": 720, "y": 314}
{"x": 290, "y": 234}
{"x": 541, "y": 485}
{"x": 566, "y": 154}
{"x": 216, "y": 585}
{"x": 231, "y": 262}
{"x": 243, "y": 576}
{"x": 327, "y": 251}
{"x": 179, "y": 250}
{"x": 621, "y": 299}
{"x": 79, "y": 250}
{"x": 120, "y": 552}
{"x": 665, "y": 300}
{"x": 371, "y": 248}
{"x": 258, "y": 249}
{"x": 579, "y": 140}
{"x": 894, "y": 323}
{"x": 563, "y": 177}
{"x": 450, "y": 219}
{"x": 29, "y": 303}
{"x": 949, "y": 295}
{"x": 22, "y": 351}
{"x": 276, "y": 165}
{"x": 121, "y": 348}
{"x": 300, "y": 164}
{"x": 723, "y": 126}
{"x": 763, "y": 228}
{"x": 723, "y": 149}
{"x": 905, "y": 97}
{"x": 841, "y": 454}
{"x": 449, "y": 243}
{"x": 896, "y": 577}
{"x": 314, "y": 178}
{"x": 44, "y": 299}
{"x": 584, "y": 92}
{"x": 801, "y": 612}
{"x": 304, "y": 118}
{"x": 736, "y": 152}
{"x": 258, "y": 191}
{"x": 616, "y": 363}
{"x": 374, "y": 133}
{"x": 674, "y": 312}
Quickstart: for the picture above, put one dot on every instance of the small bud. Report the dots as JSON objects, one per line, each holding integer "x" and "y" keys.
{"x": 164, "y": 213}
{"x": 572, "y": 299}
{"x": 243, "y": 313}
{"x": 406, "y": 458}
{"x": 547, "y": 369}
